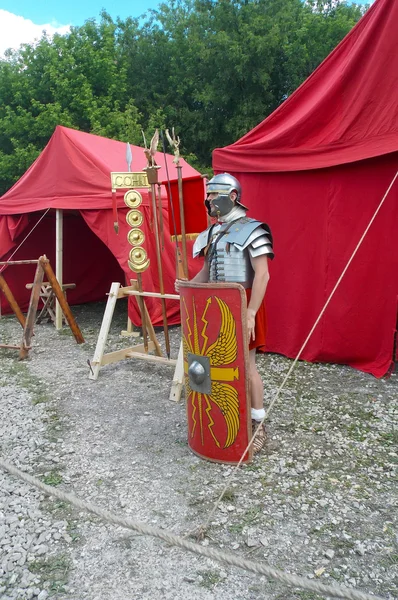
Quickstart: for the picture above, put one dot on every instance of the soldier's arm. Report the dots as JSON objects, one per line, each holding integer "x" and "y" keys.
{"x": 260, "y": 282}
{"x": 203, "y": 275}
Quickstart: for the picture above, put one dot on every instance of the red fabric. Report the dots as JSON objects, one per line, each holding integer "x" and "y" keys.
{"x": 260, "y": 327}
{"x": 195, "y": 213}
{"x": 73, "y": 173}
{"x": 87, "y": 263}
{"x": 345, "y": 111}
{"x": 101, "y": 223}
{"x": 318, "y": 215}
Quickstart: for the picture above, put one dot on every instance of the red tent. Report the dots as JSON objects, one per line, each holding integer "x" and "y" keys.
{"x": 73, "y": 173}
{"x": 316, "y": 170}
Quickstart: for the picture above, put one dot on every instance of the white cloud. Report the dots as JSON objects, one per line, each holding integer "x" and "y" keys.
{"x": 16, "y": 30}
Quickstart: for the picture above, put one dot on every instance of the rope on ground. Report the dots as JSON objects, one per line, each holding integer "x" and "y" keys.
{"x": 205, "y": 525}
{"x": 335, "y": 591}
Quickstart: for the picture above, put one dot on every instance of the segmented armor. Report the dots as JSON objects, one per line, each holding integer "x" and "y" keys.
{"x": 229, "y": 246}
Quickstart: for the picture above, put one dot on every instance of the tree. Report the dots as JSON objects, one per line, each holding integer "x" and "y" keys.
{"x": 213, "y": 69}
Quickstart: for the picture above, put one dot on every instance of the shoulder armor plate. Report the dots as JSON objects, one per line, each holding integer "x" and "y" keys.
{"x": 245, "y": 231}
{"x": 201, "y": 242}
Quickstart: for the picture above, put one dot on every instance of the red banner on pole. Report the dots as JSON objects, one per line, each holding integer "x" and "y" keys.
{"x": 193, "y": 189}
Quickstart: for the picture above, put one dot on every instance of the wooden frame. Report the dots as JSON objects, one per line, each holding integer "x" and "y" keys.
{"x": 43, "y": 267}
{"x": 101, "y": 359}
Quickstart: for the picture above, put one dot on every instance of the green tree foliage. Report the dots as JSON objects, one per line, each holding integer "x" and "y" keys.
{"x": 213, "y": 69}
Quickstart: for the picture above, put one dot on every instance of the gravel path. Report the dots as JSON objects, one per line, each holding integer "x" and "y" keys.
{"x": 321, "y": 502}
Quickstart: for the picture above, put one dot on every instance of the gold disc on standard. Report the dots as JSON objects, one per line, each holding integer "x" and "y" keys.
{"x": 139, "y": 268}
{"x": 132, "y": 199}
{"x": 134, "y": 218}
{"x": 138, "y": 256}
{"x": 136, "y": 237}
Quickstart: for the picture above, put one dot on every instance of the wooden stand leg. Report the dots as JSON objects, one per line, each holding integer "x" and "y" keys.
{"x": 129, "y": 331}
{"x": 32, "y": 310}
{"x": 103, "y": 334}
{"x": 11, "y": 300}
{"x": 44, "y": 262}
{"x": 147, "y": 319}
{"x": 178, "y": 378}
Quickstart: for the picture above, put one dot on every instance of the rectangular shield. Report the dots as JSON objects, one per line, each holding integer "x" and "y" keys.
{"x": 216, "y": 359}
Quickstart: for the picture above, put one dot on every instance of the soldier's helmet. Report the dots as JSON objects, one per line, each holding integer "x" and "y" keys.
{"x": 223, "y": 184}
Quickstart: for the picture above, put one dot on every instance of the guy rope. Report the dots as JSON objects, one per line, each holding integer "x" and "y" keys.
{"x": 333, "y": 591}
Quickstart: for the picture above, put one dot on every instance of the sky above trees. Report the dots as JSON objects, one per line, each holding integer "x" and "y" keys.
{"x": 212, "y": 70}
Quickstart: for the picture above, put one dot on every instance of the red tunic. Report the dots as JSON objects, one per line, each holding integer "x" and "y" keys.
{"x": 260, "y": 326}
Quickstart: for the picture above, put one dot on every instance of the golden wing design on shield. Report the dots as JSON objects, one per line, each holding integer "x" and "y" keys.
{"x": 224, "y": 350}
{"x": 226, "y": 398}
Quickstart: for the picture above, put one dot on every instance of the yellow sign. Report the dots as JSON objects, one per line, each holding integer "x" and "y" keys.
{"x": 125, "y": 181}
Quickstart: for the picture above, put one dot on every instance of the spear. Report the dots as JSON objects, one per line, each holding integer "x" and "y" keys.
{"x": 175, "y": 143}
{"x": 152, "y": 178}
{"x": 179, "y": 265}
{"x": 129, "y": 157}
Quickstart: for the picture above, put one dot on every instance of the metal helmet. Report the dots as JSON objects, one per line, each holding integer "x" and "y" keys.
{"x": 223, "y": 184}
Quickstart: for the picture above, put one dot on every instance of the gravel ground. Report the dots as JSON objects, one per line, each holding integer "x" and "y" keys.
{"x": 320, "y": 502}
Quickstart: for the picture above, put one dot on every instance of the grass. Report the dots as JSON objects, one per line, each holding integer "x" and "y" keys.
{"x": 19, "y": 370}
{"x": 390, "y": 438}
{"x": 229, "y": 495}
{"x": 248, "y": 519}
{"x": 210, "y": 578}
{"x": 53, "y": 478}
{"x": 53, "y": 570}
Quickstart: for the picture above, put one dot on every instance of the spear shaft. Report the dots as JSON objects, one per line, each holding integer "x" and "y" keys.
{"x": 141, "y": 304}
{"x": 160, "y": 270}
{"x": 179, "y": 266}
{"x": 182, "y": 218}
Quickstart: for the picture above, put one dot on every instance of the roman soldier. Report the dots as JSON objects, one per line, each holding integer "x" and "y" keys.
{"x": 236, "y": 249}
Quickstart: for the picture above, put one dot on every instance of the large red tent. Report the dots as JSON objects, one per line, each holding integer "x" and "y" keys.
{"x": 73, "y": 174}
{"x": 316, "y": 169}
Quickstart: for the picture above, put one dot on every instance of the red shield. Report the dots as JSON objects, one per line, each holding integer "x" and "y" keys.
{"x": 216, "y": 356}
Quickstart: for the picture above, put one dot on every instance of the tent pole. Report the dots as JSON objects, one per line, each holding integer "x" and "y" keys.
{"x": 58, "y": 262}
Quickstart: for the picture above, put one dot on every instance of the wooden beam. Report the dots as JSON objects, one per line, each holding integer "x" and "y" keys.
{"x": 104, "y": 331}
{"x": 12, "y": 346}
{"x": 148, "y": 322}
{"x": 178, "y": 378}
{"x": 32, "y": 310}
{"x": 45, "y": 263}
{"x": 150, "y": 357}
{"x": 58, "y": 263}
{"x": 150, "y": 294}
{"x": 11, "y": 300}
{"x": 113, "y": 357}
{"x": 19, "y": 262}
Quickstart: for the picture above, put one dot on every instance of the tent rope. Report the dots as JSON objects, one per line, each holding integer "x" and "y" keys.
{"x": 333, "y": 591}
{"x": 24, "y": 240}
{"x": 202, "y": 529}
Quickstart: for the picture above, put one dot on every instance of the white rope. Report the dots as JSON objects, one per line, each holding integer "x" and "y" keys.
{"x": 24, "y": 240}
{"x": 272, "y": 403}
{"x": 333, "y": 591}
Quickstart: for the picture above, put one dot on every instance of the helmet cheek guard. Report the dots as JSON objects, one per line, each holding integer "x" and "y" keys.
{"x": 223, "y": 184}
{"x": 222, "y": 205}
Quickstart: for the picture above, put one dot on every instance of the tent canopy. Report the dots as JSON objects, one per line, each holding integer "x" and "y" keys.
{"x": 346, "y": 111}
{"x": 316, "y": 170}
{"x": 73, "y": 173}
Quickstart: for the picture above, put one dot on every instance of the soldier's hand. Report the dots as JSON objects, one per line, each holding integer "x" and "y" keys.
{"x": 251, "y": 322}
{"x": 177, "y": 286}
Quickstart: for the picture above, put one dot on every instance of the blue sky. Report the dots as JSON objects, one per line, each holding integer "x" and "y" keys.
{"x": 22, "y": 21}
{"x": 74, "y": 12}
